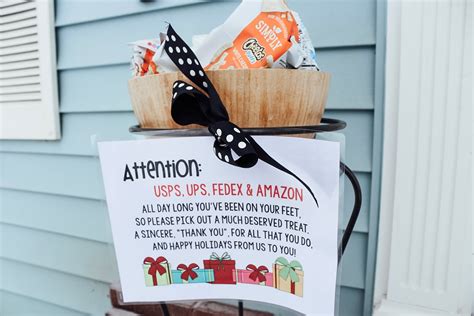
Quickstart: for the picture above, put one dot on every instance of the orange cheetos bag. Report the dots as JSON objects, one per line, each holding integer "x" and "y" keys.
{"x": 258, "y": 34}
{"x": 265, "y": 38}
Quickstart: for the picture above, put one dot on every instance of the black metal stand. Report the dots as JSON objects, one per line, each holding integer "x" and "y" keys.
{"x": 327, "y": 125}
{"x": 164, "y": 309}
{"x": 355, "y": 210}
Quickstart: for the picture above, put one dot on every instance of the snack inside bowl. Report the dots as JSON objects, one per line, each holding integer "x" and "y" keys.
{"x": 253, "y": 97}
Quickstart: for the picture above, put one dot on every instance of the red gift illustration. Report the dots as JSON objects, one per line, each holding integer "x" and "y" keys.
{"x": 224, "y": 268}
{"x": 157, "y": 272}
{"x": 254, "y": 275}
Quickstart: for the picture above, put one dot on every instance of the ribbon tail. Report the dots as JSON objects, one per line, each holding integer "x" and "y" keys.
{"x": 263, "y": 155}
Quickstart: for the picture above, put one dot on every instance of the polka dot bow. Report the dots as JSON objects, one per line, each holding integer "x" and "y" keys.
{"x": 191, "y": 106}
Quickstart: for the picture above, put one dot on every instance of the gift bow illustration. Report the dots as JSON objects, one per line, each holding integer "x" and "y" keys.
{"x": 215, "y": 256}
{"x": 258, "y": 273}
{"x": 289, "y": 269}
{"x": 188, "y": 271}
{"x": 191, "y": 106}
{"x": 155, "y": 265}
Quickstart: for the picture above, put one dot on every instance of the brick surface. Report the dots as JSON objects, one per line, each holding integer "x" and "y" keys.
{"x": 191, "y": 308}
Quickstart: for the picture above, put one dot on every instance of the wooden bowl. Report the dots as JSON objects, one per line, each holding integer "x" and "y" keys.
{"x": 253, "y": 98}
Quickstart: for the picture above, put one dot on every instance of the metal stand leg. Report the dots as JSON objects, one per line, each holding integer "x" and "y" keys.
{"x": 165, "y": 309}
{"x": 355, "y": 210}
{"x": 241, "y": 308}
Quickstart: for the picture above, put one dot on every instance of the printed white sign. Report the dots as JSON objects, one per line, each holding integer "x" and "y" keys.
{"x": 188, "y": 226}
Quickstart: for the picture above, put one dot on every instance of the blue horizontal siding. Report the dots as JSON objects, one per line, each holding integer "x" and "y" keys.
{"x": 358, "y": 147}
{"x": 350, "y": 302}
{"x": 362, "y": 224}
{"x": 77, "y": 256}
{"x": 76, "y": 176}
{"x": 79, "y": 11}
{"x": 317, "y": 15}
{"x": 81, "y": 131}
{"x": 352, "y": 76}
{"x": 71, "y": 216}
{"x": 20, "y": 305}
{"x": 335, "y": 23}
{"x": 63, "y": 289}
{"x": 108, "y": 46}
{"x": 374, "y": 202}
{"x": 54, "y": 223}
{"x": 354, "y": 261}
{"x": 352, "y": 80}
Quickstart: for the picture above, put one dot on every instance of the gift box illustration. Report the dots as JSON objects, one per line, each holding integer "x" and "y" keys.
{"x": 191, "y": 274}
{"x": 157, "y": 272}
{"x": 224, "y": 268}
{"x": 255, "y": 275}
{"x": 288, "y": 276}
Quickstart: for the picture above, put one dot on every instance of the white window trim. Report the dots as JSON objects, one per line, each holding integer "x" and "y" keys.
{"x": 393, "y": 295}
{"x": 38, "y": 121}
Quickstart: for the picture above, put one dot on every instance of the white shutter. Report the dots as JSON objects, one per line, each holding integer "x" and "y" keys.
{"x": 28, "y": 81}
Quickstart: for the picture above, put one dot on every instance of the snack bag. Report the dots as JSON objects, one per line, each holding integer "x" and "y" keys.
{"x": 142, "y": 59}
{"x": 161, "y": 59}
{"x": 301, "y": 55}
{"x": 268, "y": 36}
{"x": 258, "y": 34}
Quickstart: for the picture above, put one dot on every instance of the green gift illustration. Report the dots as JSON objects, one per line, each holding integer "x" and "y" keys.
{"x": 288, "y": 276}
{"x": 157, "y": 272}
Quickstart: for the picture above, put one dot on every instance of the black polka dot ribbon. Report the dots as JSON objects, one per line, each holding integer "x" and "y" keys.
{"x": 191, "y": 106}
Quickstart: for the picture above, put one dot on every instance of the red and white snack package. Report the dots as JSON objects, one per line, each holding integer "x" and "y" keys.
{"x": 162, "y": 61}
{"x": 258, "y": 34}
{"x": 142, "y": 59}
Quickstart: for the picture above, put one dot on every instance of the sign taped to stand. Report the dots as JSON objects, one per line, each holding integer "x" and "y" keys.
{"x": 187, "y": 226}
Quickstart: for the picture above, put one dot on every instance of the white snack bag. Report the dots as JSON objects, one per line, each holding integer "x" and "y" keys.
{"x": 142, "y": 57}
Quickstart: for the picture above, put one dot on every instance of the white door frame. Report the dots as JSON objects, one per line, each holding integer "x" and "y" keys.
{"x": 425, "y": 241}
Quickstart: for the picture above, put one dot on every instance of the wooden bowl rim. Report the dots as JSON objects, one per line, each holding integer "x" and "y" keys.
{"x": 230, "y": 72}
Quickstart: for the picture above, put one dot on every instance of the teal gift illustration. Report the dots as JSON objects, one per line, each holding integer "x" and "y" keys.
{"x": 288, "y": 276}
{"x": 191, "y": 274}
